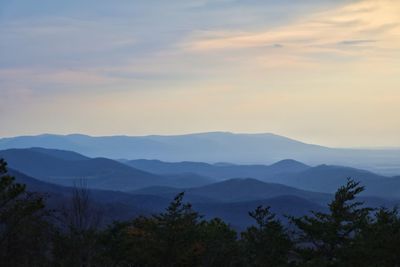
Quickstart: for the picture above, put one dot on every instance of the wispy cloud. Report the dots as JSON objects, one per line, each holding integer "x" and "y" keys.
{"x": 300, "y": 68}
{"x": 356, "y": 42}
{"x": 323, "y": 32}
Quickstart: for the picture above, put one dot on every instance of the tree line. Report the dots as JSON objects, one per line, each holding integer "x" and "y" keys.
{"x": 348, "y": 234}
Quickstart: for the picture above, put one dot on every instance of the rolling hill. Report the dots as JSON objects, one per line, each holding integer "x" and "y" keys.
{"x": 66, "y": 168}
{"x": 237, "y": 190}
{"x": 115, "y": 205}
{"x": 213, "y": 147}
{"x": 327, "y": 178}
{"x": 219, "y": 171}
{"x": 322, "y": 178}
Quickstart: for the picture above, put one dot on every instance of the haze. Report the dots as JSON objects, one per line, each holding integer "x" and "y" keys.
{"x": 324, "y": 72}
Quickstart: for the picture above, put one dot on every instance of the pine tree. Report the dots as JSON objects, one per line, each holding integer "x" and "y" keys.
{"x": 267, "y": 243}
{"x": 24, "y": 228}
{"x": 327, "y": 239}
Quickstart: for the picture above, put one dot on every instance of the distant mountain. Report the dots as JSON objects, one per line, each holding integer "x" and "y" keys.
{"x": 219, "y": 171}
{"x": 326, "y": 178}
{"x": 113, "y": 205}
{"x": 236, "y": 213}
{"x": 322, "y": 178}
{"x": 237, "y": 190}
{"x": 122, "y": 206}
{"x": 61, "y": 154}
{"x": 213, "y": 147}
{"x": 65, "y": 168}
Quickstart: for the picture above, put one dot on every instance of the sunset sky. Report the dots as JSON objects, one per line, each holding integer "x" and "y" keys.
{"x": 320, "y": 71}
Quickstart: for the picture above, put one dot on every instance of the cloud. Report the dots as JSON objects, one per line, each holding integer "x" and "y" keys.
{"x": 356, "y": 42}
{"x": 348, "y": 25}
{"x": 292, "y": 67}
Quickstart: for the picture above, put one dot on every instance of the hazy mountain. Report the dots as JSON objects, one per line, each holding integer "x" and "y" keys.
{"x": 61, "y": 154}
{"x": 326, "y": 178}
{"x": 113, "y": 205}
{"x": 229, "y": 200}
{"x": 219, "y": 171}
{"x": 237, "y": 213}
{"x": 213, "y": 147}
{"x": 122, "y": 206}
{"x": 322, "y": 178}
{"x": 238, "y": 190}
{"x": 65, "y": 168}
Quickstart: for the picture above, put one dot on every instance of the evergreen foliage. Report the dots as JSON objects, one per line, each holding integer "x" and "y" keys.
{"x": 349, "y": 234}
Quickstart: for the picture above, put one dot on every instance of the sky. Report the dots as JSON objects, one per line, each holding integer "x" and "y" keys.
{"x": 320, "y": 71}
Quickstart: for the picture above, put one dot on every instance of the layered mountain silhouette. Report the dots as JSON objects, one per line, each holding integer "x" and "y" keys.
{"x": 213, "y": 147}
{"x": 125, "y": 189}
{"x": 238, "y": 190}
{"x": 219, "y": 171}
{"x": 322, "y": 178}
{"x": 67, "y": 168}
{"x": 115, "y": 205}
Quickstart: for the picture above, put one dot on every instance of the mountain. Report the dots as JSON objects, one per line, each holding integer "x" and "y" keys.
{"x": 327, "y": 178}
{"x": 213, "y": 147}
{"x": 236, "y": 214}
{"x": 237, "y": 190}
{"x": 66, "y": 168}
{"x": 219, "y": 171}
{"x": 115, "y": 205}
{"x": 61, "y": 154}
{"x": 322, "y": 178}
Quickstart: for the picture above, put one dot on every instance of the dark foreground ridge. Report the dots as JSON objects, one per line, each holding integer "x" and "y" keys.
{"x": 347, "y": 234}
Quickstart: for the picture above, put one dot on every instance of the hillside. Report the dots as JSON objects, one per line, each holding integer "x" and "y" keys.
{"x": 219, "y": 171}
{"x": 66, "y": 168}
{"x": 213, "y": 147}
{"x": 327, "y": 178}
{"x": 122, "y": 206}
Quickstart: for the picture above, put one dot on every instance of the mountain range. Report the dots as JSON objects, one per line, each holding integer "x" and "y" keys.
{"x": 213, "y": 147}
{"x": 127, "y": 188}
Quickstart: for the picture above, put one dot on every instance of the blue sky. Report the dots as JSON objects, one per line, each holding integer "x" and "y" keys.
{"x": 320, "y": 71}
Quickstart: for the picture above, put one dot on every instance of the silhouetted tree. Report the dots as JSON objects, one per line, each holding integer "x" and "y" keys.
{"x": 327, "y": 239}
{"x": 117, "y": 246}
{"x": 378, "y": 244}
{"x": 267, "y": 243}
{"x": 24, "y": 229}
{"x": 220, "y": 243}
{"x": 345, "y": 236}
{"x": 77, "y": 241}
{"x": 170, "y": 238}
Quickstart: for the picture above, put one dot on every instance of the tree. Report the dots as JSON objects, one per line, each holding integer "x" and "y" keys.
{"x": 378, "y": 244}
{"x": 77, "y": 239}
{"x": 170, "y": 238}
{"x": 220, "y": 243}
{"x": 267, "y": 243}
{"x": 24, "y": 228}
{"x": 327, "y": 239}
{"x": 117, "y": 247}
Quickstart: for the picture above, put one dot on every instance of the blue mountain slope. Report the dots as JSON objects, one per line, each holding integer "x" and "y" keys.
{"x": 322, "y": 178}
{"x": 64, "y": 168}
{"x": 326, "y": 178}
{"x": 213, "y": 147}
{"x": 237, "y": 190}
{"x": 220, "y": 172}
{"x": 122, "y": 206}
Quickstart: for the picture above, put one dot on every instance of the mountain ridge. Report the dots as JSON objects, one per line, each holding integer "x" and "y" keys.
{"x": 212, "y": 147}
